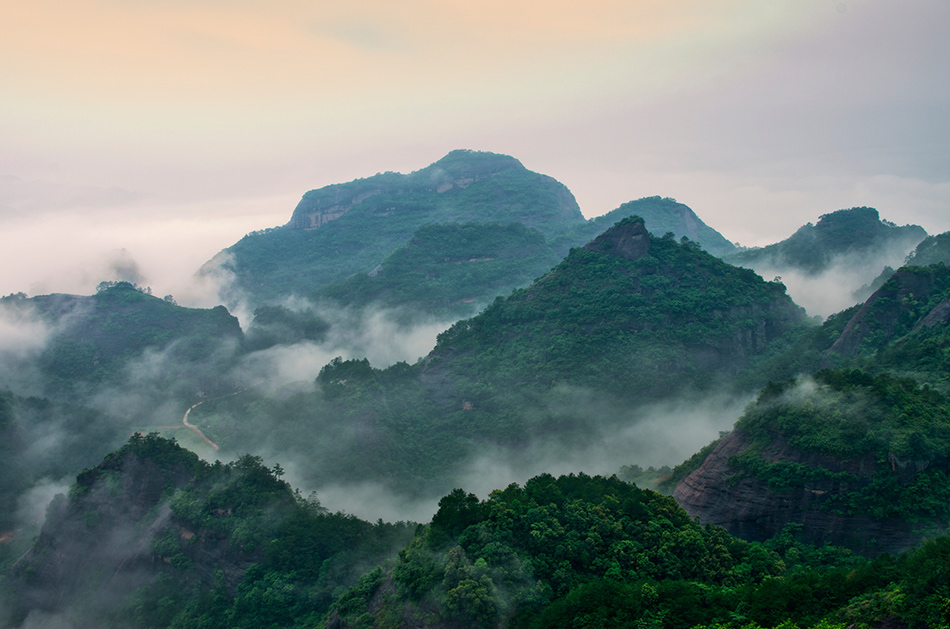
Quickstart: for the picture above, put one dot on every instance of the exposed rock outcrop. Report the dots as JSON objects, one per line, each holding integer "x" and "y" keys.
{"x": 881, "y": 314}
{"x": 718, "y": 493}
{"x": 629, "y": 240}
{"x": 458, "y": 170}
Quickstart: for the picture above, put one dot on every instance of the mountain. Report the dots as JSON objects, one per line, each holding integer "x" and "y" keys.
{"x": 931, "y": 250}
{"x": 90, "y": 340}
{"x": 856, "y": 237}
{"x": 662, "y": 216}
{"x": 903, "y": 328}
{"x": 153, "y": 533}
{"x": 451, "y": 270}
{"x": 626, "y": 321}
{"x": 387, "y": 240}
{"x": 629, "y": 313}
{"x": 454, "y": 270}
{"x": 154, "y": 537}
{"x": 349, "y": 228}
{"x": 852, "y": 459}
{"x": 94, "y": 369}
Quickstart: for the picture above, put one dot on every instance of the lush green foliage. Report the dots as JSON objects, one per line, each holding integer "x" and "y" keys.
{"x": 901, "y": 429}
{"x": 239, "y": 548}
{"x": 451, "y": 269}
{"x": 899, "y": 330}
{"x": 383, "y": 212}
{"x": 931, "y": 250}
{"x": 813, "y": 247}
{"x": 94, "y": 338}
{"x": 579, "y": 551}
{"x": 597, "y": 325}
{"x": 903, "y": 327}
{"x": 42, "y": 439}
{"x": 662, "y": 215}
{"x": 667, "y": 321}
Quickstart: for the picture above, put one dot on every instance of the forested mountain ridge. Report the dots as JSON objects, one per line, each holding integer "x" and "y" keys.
{"x": 92, "y": 338}
{"x": 854, "y": 236}
{"x": 930, "y": 250}
{"x": 646, "y": 314}
{"x": 605, "y": 324}
{"x": 451, "y": 270}
{"x": 349, "y": 228}
{"x": 155, "y": 537}
{"x": 903, "y": 328}
{"x": 853, "y": 459}
{"x": 631, "y": 329}
{"x": 455, "y": 172}
{"x": 338, "y": 241}
{"x": 662, "y": 215}
{"x": 153, "y": 534}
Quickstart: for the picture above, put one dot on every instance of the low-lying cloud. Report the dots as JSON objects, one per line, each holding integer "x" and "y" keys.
{"x": 837, "y": 287}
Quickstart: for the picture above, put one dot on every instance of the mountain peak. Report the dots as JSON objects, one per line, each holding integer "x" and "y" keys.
{"x": 627, "y": 239}
{"x": 466, "y": 163}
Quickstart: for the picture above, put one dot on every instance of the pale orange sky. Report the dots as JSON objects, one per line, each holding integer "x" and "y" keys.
{"x": 176, "y": 127}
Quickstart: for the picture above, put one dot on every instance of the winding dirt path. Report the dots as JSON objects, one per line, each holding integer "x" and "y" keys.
{"x": 188, "y": 424}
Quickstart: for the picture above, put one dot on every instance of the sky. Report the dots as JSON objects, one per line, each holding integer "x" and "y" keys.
{"x": 143, "y": 137}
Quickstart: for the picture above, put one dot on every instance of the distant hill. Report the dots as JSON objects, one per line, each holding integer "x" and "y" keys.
{"x": 104, "y": 366}
{"x": 628, "y": 318}
{"x": 662, "y": 216}
{"x": 629, "y": 312}
{"x": 359, "y": 243}
{"x": 455, "y": 269}
{"x": 855, "y": 460}
{"x": 903, "y": 328}
{"x": 93, "y": 338}
{"x": 451, "y": 270}
{"x": 349, "y": 228}
{"x": 856, "y": 236}
{"x": 931, "y": 250}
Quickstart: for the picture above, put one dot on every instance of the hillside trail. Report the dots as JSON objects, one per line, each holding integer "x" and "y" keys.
{"x": 187, "y": 424}
{"x": 197, "y": 430}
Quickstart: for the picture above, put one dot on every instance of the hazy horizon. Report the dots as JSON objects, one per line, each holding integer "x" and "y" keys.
{"x": 171, "y": 131}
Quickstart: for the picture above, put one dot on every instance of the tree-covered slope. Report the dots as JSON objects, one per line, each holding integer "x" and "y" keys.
{"x": 41, "y": 441}
{"x": 350, "y": 228}
{"x": 627, "y": 321}
{"x": 903, "y": 328}
{"x": 155, "y": 537}
{"x": 582, "y": 551}
{"x": 662, "y": 215}
{"x": 630, "y": 314}
{"x": 931, "y": 250}
{"x": 854, "y": 459}
{"x": 91, "y": 339}
{"x": 451, "y": 270}
{"x": 856, "y": 236}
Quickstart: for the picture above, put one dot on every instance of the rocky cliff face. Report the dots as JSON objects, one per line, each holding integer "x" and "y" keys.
{"x": 456, "y": 171}
{"x": 629, "y": 240}
{"x": 719, "y": 493}
{"x": 883, "y": 314}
